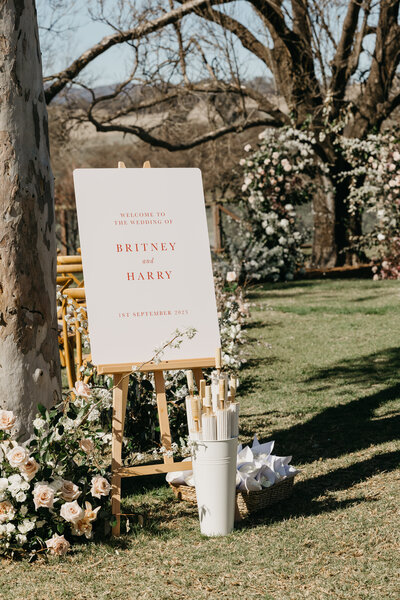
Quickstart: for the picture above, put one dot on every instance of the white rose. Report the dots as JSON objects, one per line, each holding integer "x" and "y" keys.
{"x": 15, "y": 479}
{"x": 17, "y": 456}
{"x": 7, "y": 420}
{"x": 43, "y": 495}
{"x": 72, "y": 512}
{"x": 39, "y": 423}
{"x": 380, "y": 237}
{"x": 10, "y": 528}
{"x": 20, "y": 497}
{"x": 100, "y": 487}
{"x": 3, "y": 484}
{"x": 21, "y": 539}
{"x": 247, "y": 148}
{"x": 231, "y": 276}
{"x": 26, "y": 526}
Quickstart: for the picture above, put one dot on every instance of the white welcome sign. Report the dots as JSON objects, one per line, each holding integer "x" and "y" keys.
{"x": 146, "y": 263}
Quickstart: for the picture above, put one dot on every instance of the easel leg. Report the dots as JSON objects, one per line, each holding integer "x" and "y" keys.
{"x": 198, "y": 374}
{"x": 163, "y": 414}
{"x": 120, "y": 396}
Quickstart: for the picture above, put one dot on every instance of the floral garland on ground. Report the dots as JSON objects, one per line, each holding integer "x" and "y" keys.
{"x": 278, "y": 174}
{"x": 53, "y": 487}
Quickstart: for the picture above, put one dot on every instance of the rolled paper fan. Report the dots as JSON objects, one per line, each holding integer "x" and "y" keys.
{"x": 189, "y": 479}
{"x": 244, "y": 456}
{"x": 178, "y": 477}
{"x": 291, "y": 471}
{"x": 262, "y": 449}
{"x": 266, "y": 477}
{"x": 280, "y": 462}
{"x": 248, "y": 483}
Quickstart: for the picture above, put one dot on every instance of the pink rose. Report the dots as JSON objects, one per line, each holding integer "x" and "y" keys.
{"x": 7, "y": 420}
{"x": 18, "y": 456}
{"x": 7, "y": 511}
{"x": 69, "y": 491}
{"x": 82, "y": 389}
{"x": 43, "y": 495}
{"x": 29, "y": 469}
{"x": 86, "y": 445}
{"x": 72, "y": 512}
{"x": 58, "y": 545}
{"x": 100, "y": 487}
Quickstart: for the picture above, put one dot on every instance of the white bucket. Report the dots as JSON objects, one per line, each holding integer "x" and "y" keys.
{"x": 214, "y": 470}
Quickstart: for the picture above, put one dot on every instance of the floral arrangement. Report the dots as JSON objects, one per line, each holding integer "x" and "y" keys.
{"x": 278, "y": 174}
{"x": 375, "y": 187}
{"x": 54, "y": 488}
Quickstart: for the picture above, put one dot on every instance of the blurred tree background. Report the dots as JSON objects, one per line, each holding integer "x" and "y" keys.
{"x": 190, "y": 83}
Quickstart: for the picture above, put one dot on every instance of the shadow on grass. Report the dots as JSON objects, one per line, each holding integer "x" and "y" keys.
{"x": 377, "y": 367}
{"x": 159, "y": 519}
{"x": 346, "y": 427}
{"x": 304, "y": 501}
{"x": 341, "y": 429}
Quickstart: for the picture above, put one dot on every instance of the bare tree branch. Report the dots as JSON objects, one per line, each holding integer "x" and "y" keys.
{"x": 64, "y": 77}
{"x": 372, "y": 105}
{"x": 145, "y": 136}
{"x": 358, "y": 43}
{"x": 340, "y": 63}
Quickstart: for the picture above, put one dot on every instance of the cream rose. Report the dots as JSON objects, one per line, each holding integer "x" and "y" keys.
{"x": 82, "y": 389}
{"x": 18, "y": 456}
{"x": 100, "y": 487}
{"x": 86, "y": 445}
{"x": 7, "y": 511}
{"x": 7, "y": 419}
{"x": 58, "y": 545}
{"x": 29, "y": 469}
{"x": 43, "y": 496}
{"x": 72, "y": 512}
{"x": 69, "y": 491}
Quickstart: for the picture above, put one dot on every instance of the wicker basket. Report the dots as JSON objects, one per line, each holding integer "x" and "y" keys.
{"x": 246, "y": 503}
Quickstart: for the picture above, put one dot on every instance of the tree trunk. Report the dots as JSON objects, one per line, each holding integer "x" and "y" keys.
{"x": 29, "y": 360}
{"x": 324, "y": 250}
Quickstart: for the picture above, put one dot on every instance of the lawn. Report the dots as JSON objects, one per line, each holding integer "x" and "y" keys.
{"x": 323, "y": 380}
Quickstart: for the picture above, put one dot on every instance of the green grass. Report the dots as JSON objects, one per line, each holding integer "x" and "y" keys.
{"x": 323, "y": 380}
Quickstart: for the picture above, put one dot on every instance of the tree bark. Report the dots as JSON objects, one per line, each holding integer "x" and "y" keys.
{"x": 29, "y": 360}
{"x": 324, "y": 250}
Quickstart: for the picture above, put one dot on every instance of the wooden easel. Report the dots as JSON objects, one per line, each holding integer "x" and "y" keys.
{"x": 121, "y": 374}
